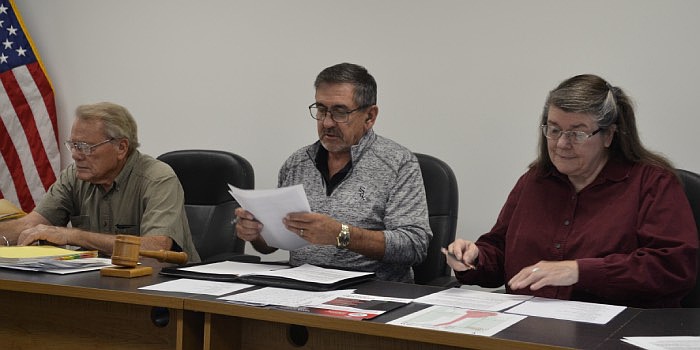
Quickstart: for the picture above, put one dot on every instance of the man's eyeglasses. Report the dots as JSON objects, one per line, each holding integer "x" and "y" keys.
{"x": 83, "y": 147}
{"x": 577, "y": 137}
{"x": 339, "y": 115}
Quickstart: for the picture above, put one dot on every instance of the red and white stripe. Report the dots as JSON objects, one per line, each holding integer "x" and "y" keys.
{"x": 28, "y": 136}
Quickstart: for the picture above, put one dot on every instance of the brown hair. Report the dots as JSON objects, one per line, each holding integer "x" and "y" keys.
{"x": 608, "y": 105}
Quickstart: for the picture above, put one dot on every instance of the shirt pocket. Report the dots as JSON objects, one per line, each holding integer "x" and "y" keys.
{"x": 81, "y": 222}
{"x": 129, "y": 229}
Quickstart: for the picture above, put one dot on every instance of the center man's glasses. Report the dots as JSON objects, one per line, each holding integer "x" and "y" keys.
{"x": 339, "y": 115}
{"x": 84, "y": 147}
{"x": 577, "y": 137}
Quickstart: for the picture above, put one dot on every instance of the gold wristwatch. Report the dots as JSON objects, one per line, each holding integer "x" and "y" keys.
{"x": 344, "y": 236}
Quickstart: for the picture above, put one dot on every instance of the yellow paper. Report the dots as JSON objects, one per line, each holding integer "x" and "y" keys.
{"x": 34, "y": 252}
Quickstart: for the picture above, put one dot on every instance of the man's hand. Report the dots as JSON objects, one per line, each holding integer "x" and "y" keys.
{"x": 314, "y": 227}
{"x": 247, "y": 228}
{"x": 52, "y": 234}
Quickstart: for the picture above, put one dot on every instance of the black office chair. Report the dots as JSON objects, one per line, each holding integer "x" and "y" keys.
{"x": 204, "y": 175}
{"x": 443, "y": 203}
{"x": 691, "y": 184}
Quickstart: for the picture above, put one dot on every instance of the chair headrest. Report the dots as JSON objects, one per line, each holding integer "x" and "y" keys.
{"x": 440, "y": 183}
{"x": 691, "y": 186}
{"x": 204, "y": 174}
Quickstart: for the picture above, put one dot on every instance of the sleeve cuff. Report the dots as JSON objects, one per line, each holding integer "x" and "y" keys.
{"x": 591, "y": 272}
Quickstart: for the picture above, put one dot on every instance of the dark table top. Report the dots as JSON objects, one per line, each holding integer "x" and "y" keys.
{"x": 580, "y": 335}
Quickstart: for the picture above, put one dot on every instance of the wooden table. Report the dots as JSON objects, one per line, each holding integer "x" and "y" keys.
{"x": 243, "y": 327}
{"x": 656, "y": 323}
{"x": 85, "y": 310}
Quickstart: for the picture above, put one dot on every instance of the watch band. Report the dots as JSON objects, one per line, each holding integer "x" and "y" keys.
{"x": 343, "y": 237}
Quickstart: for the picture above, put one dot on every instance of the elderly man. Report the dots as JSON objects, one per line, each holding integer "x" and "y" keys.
{"x": 111, "y": 188}
{"x": 366, "y": 192}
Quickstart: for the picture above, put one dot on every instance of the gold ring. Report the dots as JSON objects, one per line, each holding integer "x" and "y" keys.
{"x": 535, "y": 269}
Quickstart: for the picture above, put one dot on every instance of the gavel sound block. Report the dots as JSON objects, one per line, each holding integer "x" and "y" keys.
{"x": 127, "y": 250}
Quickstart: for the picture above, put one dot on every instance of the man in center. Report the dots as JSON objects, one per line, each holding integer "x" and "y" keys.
{"x": 368, "y": 206}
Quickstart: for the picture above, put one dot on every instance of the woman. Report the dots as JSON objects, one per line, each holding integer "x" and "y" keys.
{"x": 596, "y": 218}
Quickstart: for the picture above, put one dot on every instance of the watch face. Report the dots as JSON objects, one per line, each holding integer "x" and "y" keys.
{"x": 344, "y": 236}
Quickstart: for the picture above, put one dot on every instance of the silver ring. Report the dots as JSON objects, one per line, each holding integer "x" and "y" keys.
{"x": 234, "y": 221}
{"x": 535, "y": 269}
{"x": 301, "y": 232}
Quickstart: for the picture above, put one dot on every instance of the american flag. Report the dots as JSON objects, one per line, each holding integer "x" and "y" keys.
{"x": 28, "y": 127}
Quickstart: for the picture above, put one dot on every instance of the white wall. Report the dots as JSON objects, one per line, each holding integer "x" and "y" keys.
{"x": 462, "y": 80}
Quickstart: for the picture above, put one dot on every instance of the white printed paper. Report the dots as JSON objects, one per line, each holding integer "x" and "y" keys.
{"x": 568, "y": 310}
{"x": 314, "y": 274}
{"x": 185, "y": 285}
{"x": 232, "y": 268}
{"x": 270, "y": 207}
{"x": 473, "y": 299}
{"x": 284, "y": 297}
{"x": 458, "y": 320}
{"x": 664, "y": 343}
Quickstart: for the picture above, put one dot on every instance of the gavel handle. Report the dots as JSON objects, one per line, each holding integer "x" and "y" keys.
{"x": 179, "y": 258}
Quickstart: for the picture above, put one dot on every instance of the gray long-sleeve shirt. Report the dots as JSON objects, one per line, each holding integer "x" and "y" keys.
{"x": 383, "y": 191}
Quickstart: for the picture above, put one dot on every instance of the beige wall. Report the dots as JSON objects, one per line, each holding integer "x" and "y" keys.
{"x": 461, "y": 80}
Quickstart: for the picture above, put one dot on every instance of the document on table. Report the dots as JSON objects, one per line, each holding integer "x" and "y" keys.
{"x": 568, "y": 310}
{"x": 270, "y": 207}
{"x": 185, "y": 285}
{"x": 459, "y": 320}
{"x": 314, "y": 274}
{"x": 307, "y": 277}
{"x": 664, "y": 343}
{"x": 34, "y": 253}
{"x": 232, "y": 268}
{"x": 284, "y": 297}
{"x": 473, "y": 299}
{"x": 353, "y": 306}
{"x": 60, "y": 267}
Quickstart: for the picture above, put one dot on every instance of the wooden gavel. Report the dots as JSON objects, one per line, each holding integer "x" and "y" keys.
{"x": 127, "y": 250}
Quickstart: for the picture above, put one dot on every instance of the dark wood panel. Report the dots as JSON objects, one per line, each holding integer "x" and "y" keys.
{"x": 40, "y": 321}
{"x": 242, "y": 333}
{"x": 90, "y": 285}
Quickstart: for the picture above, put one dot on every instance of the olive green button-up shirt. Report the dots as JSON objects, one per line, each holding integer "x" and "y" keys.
{"x": 145, "y": 199}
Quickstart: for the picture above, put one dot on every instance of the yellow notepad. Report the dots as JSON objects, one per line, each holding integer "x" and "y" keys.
{"x": 28, "y": 253}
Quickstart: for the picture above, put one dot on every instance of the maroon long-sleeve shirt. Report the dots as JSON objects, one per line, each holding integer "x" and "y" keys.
{"x": 631, "y": 231}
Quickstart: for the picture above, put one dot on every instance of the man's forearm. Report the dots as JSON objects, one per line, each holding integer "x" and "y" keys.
{"x": 11, "y": 229}
{"x": 156, "y": 242}
{"x": 91, "y": 240}
{"x": 369, "y": 243}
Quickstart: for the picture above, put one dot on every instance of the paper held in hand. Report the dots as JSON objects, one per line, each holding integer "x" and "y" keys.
{"x": 270, "y": 207}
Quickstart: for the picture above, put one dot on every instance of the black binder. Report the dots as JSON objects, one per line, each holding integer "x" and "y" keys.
{"x": 267, "y": 281}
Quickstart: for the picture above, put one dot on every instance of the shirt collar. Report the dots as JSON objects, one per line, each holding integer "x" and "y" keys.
{"x": 356, "y": 151}
{"x": 126, "y": 170}
{"x": 615, "y": 170}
